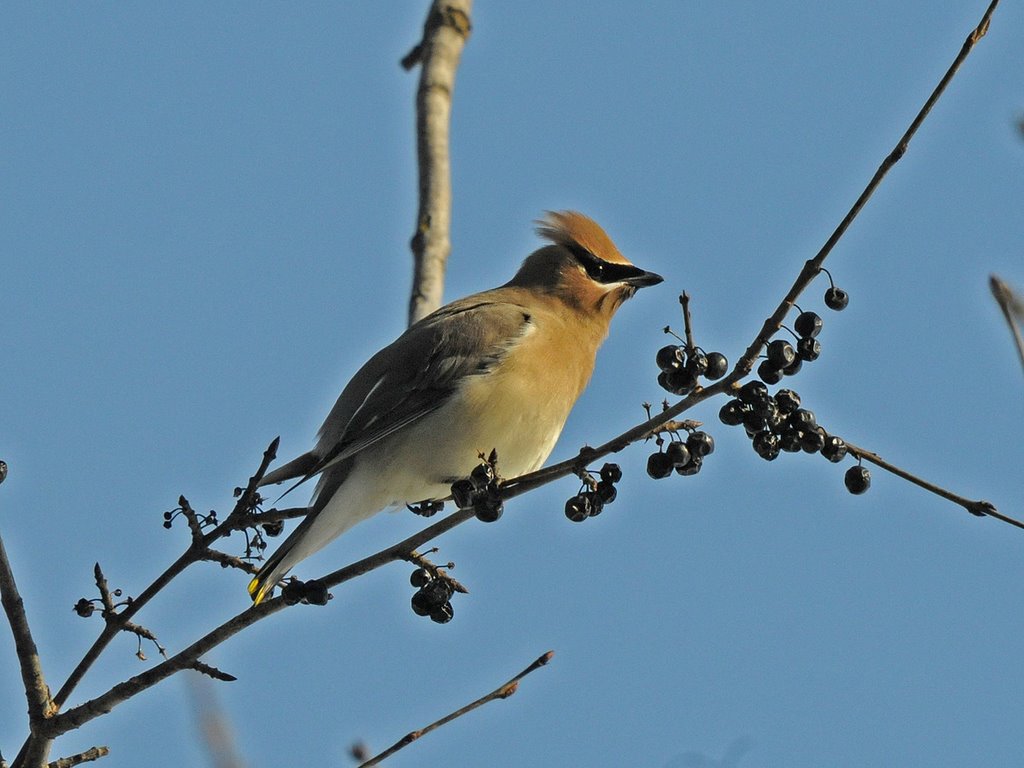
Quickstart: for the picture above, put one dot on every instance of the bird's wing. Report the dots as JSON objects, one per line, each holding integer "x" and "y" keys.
{"x": 417, "y": 373}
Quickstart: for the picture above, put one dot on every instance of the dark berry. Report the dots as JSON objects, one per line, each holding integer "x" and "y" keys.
{"x": 834, "y": 449}
{"x": 766, "y": 445}
{"x": 167, "y": 523}
{"x": 272, "y": 529}
{"x": 670, "y": 358}
{"x": 596, "y": 504}
{"x": 808, "y": 324}
{"x": 793, "y": 368}
{"x": 774, "y": 418}
{"x": 659, "y": 465}
{"x": 692, "y": 467}
{"x": 442, "y": 615}
{"x": 168, "y": 515}
{"x": 606, "y": 492}
{"x": 697, "y": 363}
{"x": 809, "y": 349}
{"x": 718, "y": 366}
{"x": 753, "y": 393}
{"x": 791, "y": 440}
{"x": 813, "y": 441}
{"x": 857, "y": 479}
{"x": 679, "y": 382}
{"x": 420, "y": 577}
{"x": 700, "y": 444}
{"x": 788, "y": 400}
{"x": 731, "y": 414}
{"x": 432, "y": 596}
{"x": 577, "y": 508}
{"x": 316, "y": 592}
{"x": 293, "y": 592}
{"x": 489, "y": 508}
{"x": 837, "y": 299}
{"x": 481, "y": 476}
{"x": 677, "y": 453}
{"x": 84, "y": 608}
{"x": 781, "y": 354}
{"x": 803, "y": 420}
{"x": 768, "y": 373}
{"x": 753, "y": 422}
{"x": 611, "y": 473}
{"x": 463, "y": 493}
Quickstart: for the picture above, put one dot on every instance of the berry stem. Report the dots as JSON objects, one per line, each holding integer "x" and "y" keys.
{"x": 684, "y": 300}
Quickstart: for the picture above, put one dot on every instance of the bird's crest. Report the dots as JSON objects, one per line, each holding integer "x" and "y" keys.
{"x": 571, "y": 228}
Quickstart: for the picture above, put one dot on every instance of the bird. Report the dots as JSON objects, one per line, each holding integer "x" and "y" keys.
{"x": 497, "y": 371}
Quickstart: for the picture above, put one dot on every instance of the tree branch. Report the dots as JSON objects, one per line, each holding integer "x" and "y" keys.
{"x": 444, "y": 35}
{"x": 82, "y": 757}
{"x": 1012, "y": 308}
{"x": 37, "y": 693}
{"x": 501, "y": 692}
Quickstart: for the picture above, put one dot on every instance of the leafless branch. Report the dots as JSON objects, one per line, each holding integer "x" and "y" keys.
{"x": 501, "y": 692}
{"x": 977, "y": 508}
{"x": 1012, "y": 307}
{"x": 82, "y": 757}
{"x": 444, "y": 35}
{"x": 36, "y": 691}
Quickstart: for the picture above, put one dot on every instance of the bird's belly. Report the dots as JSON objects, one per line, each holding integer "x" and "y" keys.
{"x": 487, "y": 413}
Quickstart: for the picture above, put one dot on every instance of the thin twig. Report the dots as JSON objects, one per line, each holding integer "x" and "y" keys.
{"x": 191, "y": 555}
{"x": 684, "y": 301}
{"x": 977, "y": 508}
{"x": 444, "y": 35}
{"x": 82, "y": 757}
{"x": 501, "y": 692}
{"x": 1012, "y": 308}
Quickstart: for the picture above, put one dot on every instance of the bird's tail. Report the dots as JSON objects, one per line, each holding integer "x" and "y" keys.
{"x": 277, "y": 565}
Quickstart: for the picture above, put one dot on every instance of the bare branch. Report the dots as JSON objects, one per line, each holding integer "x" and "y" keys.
{"x": 977, "y": 508}
{"x": 444, "y": 35}
{"x": 1012, "y": 307}
{"x": 37, "y": 693}
{"x": 82, "y": 757}
{"x": 501, "y": 692}
{"x": 191, "y": 555}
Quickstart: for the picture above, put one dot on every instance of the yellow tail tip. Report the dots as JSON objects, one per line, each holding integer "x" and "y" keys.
{"x": 258, "y": 590}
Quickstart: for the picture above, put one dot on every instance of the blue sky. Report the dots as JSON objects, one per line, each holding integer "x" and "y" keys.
{"x": 204, "y": 218}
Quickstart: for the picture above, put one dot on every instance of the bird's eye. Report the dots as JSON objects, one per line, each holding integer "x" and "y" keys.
{"x": 595, "y": 269}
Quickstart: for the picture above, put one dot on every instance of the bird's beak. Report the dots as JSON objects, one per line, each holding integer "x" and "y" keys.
{"x": 643, "y": 279}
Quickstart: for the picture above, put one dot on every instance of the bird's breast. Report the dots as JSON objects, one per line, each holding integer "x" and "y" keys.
{"x": 518, "y": 408}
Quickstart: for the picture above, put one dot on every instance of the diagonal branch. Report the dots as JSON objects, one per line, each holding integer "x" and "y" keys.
{"x": 501, "y": 692}
{"x": 977, "y": 508}
{"x": 36, "y": 691}
{"x": 1012, "y": 308}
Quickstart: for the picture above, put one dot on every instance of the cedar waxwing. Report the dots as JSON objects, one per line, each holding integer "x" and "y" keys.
{"x": 496, "y": 370}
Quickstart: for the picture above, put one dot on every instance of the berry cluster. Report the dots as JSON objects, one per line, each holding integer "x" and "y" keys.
{"x": 783, "y": 359}
{"x": 682, "y": 366}
{"x": 480, "y": 491}
{"x": 777, "y": 423}
{"x": 433, "y": 596}
{"x": 685, "y": 457}
{"x": 312, "y": 592}
{"x": 594, "y": 494}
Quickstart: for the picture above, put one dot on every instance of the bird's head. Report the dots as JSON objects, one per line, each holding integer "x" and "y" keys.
{"x": 582, "y": 267}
